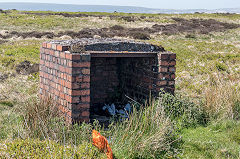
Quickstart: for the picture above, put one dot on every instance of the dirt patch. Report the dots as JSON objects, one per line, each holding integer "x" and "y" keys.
{"x": 192, "y": 26}
{"x": 202, "y": 26}
{"x": 26, "y": 68}
{"x": 2, "y": 41}
{"x": 3, "y": 76}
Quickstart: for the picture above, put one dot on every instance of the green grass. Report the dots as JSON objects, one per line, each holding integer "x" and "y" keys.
{"x": 14, "y": 52}
{"x": 219, "y": 140}
{"x": 47, "y": 149}
{"x": 8, "y": 120}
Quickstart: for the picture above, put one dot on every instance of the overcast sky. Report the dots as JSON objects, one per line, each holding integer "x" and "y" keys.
{"x": 165, "y": 4}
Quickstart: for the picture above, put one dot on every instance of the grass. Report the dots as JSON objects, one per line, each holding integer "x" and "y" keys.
{"x": 201, "y": 121}
{"x": 47, "y": 149}
{"x": 218, "y": 140}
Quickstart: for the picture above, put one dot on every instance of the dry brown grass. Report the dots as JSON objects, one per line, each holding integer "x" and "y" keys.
{"x": 38, "y": 117}
{"x": 222, "y": 97}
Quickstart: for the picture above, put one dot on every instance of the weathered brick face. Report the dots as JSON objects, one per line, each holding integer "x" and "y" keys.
{"x": 80, "y": 82}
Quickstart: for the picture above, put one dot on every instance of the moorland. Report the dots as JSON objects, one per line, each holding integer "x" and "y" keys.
{"x": 200, "y": 121}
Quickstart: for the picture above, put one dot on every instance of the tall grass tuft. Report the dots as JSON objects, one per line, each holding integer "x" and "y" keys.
{"x": 222, "y": 99}
{"x": 148, "y": 133}
{"x": 41, "y": 120}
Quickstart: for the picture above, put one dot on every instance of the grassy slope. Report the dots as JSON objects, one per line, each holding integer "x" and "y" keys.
{"x": 200, "y": 60}
{"x": 221, "y": 140}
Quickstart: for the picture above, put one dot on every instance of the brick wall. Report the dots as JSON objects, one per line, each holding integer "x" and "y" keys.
{"x": 65, "y": 77}
{"x": 81, "y": 82}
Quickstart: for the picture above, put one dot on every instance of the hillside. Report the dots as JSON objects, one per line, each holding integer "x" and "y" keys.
{"x": 106, "y": 8}
{"x": 200, "y": 121}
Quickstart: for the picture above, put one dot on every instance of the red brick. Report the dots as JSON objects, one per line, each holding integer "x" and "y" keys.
{"x": 172, "y": 63}
{"x": 76, "y": 57}
{"x": 70, "y": 64}
{"x": 46, "y": 51}
{"x": 82, "y": 106}
{"x": 51, "y": 65}
{"x": 70, "y": 92}
{"x": 86, "y": 78}
{"x": 69, "y": 85}
{"x": 70, "y": 78}
{"x": 49, "y": 45}
{"x": 68, "y": 98}
{"x": 61, "y": 108}
{"x": 62, "y": 48}
{"x": 76, "y": 86}
{"x": 85, "y": 99}
{"x": 86, "y": 71}
{"x": 86, "y": 92}
{"x": 45, "y": 75}
{"x": 62, "y": 55}
{"x": 52, "y": 52}
{"x": 62, "y": 82}
{"x": 69, "y": 56}
{"x": 85, "y": 85}
{"x": 163, "y": 56}
{"x": 80, "y": 64}
{"x": 75, "y": 100}
{"x": 79, "y": 79}
{"x": 41, "y": 85}
{"x": 164, "y": 63}
{"x": 80, "y": 92}
{"x": 161, "y": 83}
{"x": 85, "y": 64}
{"x": 42, "y": 62}
{"x": 46, "y": 63}
{"x": 46, "y": 87}
{"x": 163, "y": 69}
{"x": 69, "y": 113}
{"x": 52, "y": 84}
{"x": 69, "y": 120}
{"x": 62, "y": 75}
{"x": 62, "y": 95}
{"x": 61, "y": 88}
{"x": 65, "y": 76}
{"x": 172, "y": 69}
{"x": 56, "y": 92}
{"x": 44, "y": 45}
{"x": 85, "y": 113}
{"x": 68, "y": 70}
{"x": 62, "y": 68}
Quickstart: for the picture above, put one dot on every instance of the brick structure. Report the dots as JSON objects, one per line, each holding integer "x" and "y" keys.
{"x": 83, "y": 75}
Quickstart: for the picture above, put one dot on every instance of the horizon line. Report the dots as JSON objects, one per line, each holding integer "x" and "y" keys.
{"x": 122, "y": 6}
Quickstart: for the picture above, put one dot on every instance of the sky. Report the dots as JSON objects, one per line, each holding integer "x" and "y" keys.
{"x": 162, "y": 4}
